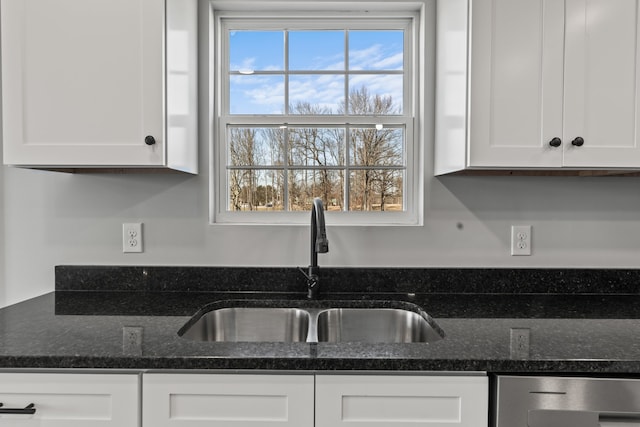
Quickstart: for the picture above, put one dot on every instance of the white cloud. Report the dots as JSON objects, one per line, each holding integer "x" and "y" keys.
{"x": 257, "y": 95}
{"x": 248, "y": 64}
{"x": 380, "y": 84}
{"x": 266, "y": 95}
{"x": 263, "y": 95}
{"x": 326, "y": 91}
{"x": 394, "y": 62}
{"x": 375, "y": 57}
{"x": 360, "y": 59}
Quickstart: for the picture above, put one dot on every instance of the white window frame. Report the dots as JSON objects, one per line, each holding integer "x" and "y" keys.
{"x": 272, "y": 12}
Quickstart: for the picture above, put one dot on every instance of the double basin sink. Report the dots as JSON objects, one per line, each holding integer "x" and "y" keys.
{"x": 303, "y": 321}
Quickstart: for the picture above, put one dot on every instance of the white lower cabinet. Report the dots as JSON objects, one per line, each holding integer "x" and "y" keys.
{"x": 242, "y": 400}
{"x": 69, "y": 400}
{"x": 217, "y": 400}
{"x": 194, "y": 400}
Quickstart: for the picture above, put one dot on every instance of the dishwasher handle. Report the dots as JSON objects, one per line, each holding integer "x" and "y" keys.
{"x": 561, "y": 418}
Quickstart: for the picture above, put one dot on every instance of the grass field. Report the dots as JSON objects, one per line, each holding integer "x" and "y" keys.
{"x": 277, "y": 208}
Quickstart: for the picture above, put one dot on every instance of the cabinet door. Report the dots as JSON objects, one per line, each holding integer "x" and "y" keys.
{"x": 70, "y": 400}
{"x": 516, "y": 83}
{"x": 82, "y": 82}
{"x": 393, "y": 401}
{"x": 601, "y": 83}
{"x": 194, "y": 400}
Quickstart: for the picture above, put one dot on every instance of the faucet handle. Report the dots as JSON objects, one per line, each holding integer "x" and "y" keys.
{"x": 304, "y": 273}
{"x": 312, "y": 281}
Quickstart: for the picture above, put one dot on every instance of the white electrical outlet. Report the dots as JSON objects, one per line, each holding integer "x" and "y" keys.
{"x": 132, "y": 237}
{"x": 132, "y": 340}
{"x": 520, "y": 340}
{"x": 520, "y": 240}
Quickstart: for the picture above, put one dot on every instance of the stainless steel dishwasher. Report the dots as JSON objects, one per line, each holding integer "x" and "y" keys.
{"x": 566, "y": 402}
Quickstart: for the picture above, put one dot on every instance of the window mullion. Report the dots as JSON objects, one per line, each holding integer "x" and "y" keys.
{"x": 347, "y": 107}
{"x": 328, "y": 121}
{"x": 286, "y": 73}
{"x": 347, "y": 167}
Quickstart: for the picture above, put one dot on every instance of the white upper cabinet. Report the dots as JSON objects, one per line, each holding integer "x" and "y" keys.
{"x": 537, "y": 84}
{"x": 99, "y": 83}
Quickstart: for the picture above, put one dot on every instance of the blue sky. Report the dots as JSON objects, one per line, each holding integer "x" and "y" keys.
{"x": 255, "y": 51}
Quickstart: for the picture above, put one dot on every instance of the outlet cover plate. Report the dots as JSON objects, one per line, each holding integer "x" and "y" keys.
{"x": 132, "y": 237}
{"x": 520, "y": 240}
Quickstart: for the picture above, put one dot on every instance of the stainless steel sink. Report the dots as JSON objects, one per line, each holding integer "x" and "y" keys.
{"x": 250, "y": 324}
{"x": 374, "y": 325}
{"x": 354, "y": 321}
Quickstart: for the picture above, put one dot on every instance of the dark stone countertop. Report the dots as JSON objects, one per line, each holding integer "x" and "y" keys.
{"x": 572, "y": 330}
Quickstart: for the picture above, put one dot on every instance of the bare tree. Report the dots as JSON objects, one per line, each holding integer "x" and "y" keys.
{"x": 371, "y": 148}
{"x": 314, "y": 146}
{"x": 316, "y": 160}
{"x": 276, "y": 147}
{"x": 242, "y": 149}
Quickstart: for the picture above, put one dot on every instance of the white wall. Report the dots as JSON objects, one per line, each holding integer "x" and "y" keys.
{"x": 54, "y": 218}
{"x": 3, "y": 283}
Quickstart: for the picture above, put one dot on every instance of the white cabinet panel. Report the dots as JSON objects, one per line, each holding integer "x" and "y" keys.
{"x": 451, "y": 86}
{"x": 228, "y": 400}
{"x": 601, "y": 83}
{"x": 516, "y": 83}
{"x": 70, "y": 400}
{"x": 390, "y": 401}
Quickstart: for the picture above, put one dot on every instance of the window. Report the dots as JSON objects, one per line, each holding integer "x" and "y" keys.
{"x": 321, "y": 106}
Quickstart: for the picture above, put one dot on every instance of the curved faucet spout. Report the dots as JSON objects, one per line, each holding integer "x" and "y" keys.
{"x": 319, "y": 244}
{"x": 319, "y": 241}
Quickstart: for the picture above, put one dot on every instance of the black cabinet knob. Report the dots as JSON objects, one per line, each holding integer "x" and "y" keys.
{"x": 149, "y": 140}
{"x": 555, "y": 142}
{"x": 578, "y": 142}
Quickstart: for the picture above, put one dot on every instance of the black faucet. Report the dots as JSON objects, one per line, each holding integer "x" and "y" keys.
{"x": 319, "y": 244}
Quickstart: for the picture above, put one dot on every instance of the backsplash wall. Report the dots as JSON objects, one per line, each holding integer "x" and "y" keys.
{"x": 3, "y": 282}
{"x": 54, "y": 218}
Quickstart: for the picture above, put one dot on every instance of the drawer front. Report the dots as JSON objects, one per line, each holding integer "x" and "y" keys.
{"x": 221, "y": 400}
{"x": 70, "y": 400}
{"x": 394, "y": 401}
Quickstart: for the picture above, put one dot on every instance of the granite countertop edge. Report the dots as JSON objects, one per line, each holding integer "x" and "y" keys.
{"x": 146, "y": 363}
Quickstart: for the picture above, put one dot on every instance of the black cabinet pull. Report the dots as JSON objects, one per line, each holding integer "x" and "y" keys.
{"x": 555, "y": 142}
{"x": 578, "y": 142}
{"x": 149, "y": 140}
{"x": 28, "y": 410}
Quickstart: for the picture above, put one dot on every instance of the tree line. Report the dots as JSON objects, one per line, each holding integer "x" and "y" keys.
{"x": 316, "y": 160}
